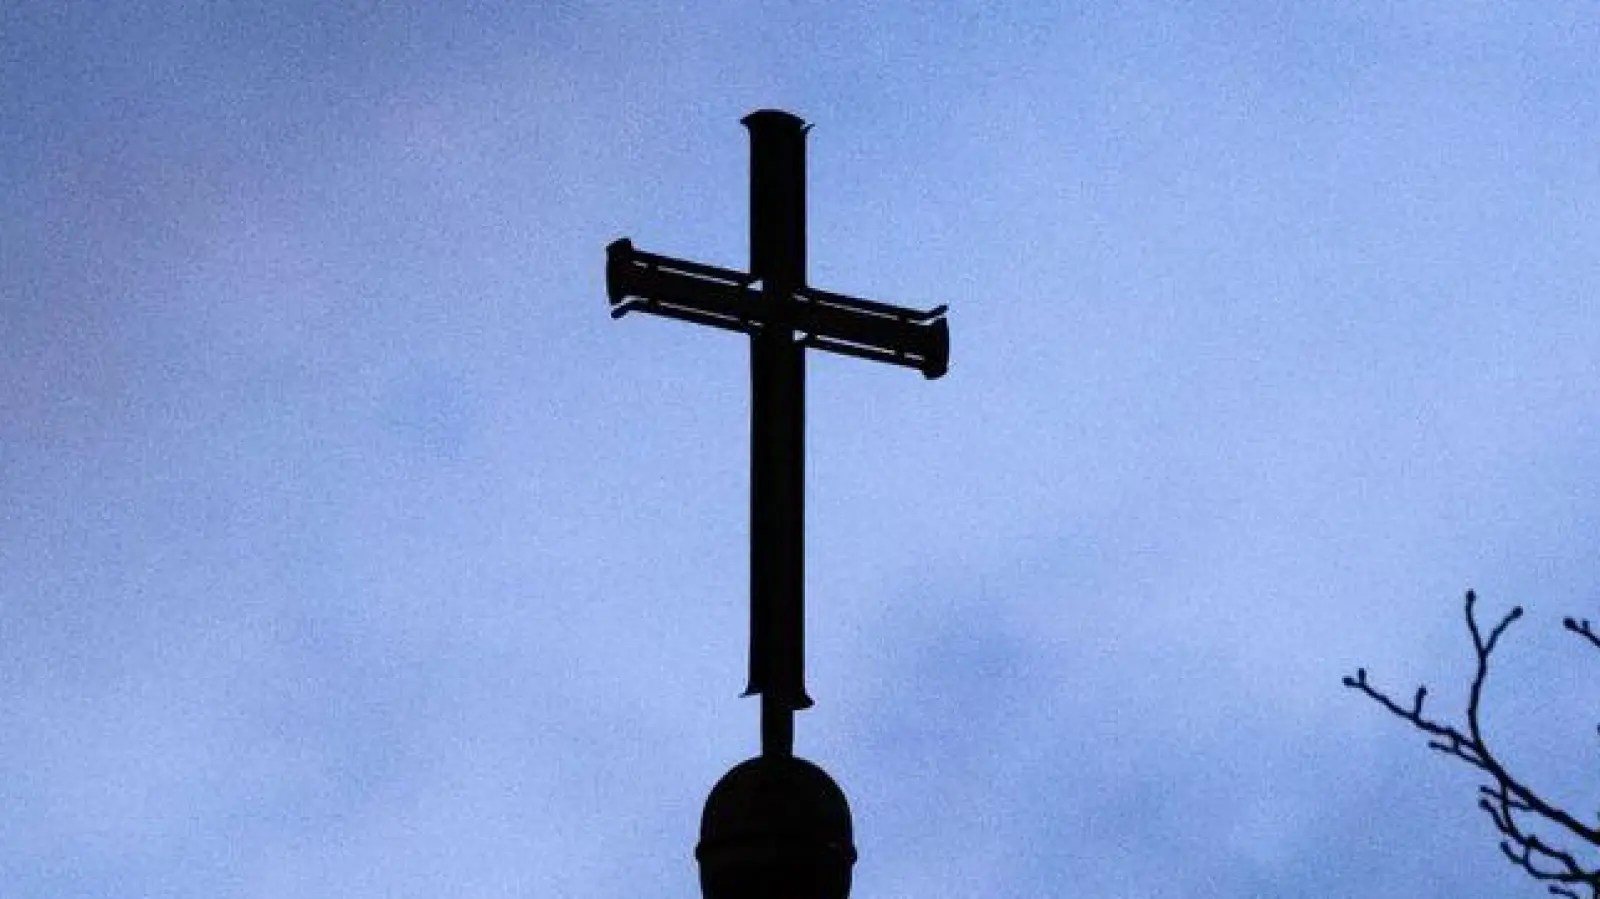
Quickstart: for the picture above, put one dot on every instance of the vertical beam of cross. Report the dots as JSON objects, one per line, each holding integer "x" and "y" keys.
{"x": 777, "y": 428}
{"x": 783, "y": 317}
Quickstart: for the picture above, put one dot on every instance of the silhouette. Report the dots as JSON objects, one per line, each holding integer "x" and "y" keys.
{"x": 1542, "y": 849}
{"x": 776, "y": 825}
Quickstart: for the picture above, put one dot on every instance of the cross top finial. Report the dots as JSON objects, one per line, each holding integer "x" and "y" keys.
{"x": 776, "y": 117}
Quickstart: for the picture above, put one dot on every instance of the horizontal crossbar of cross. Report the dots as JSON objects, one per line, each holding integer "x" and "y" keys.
{"x": 733, "y": 301}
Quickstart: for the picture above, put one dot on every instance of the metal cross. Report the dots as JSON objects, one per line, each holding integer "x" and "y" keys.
{"x": 783, "y": 316}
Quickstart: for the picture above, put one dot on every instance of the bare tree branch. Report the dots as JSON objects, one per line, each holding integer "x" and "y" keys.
{"x": 1505, "y": 799}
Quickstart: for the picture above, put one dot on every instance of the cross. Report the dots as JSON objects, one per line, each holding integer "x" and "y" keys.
{"x": 783, "y": 317}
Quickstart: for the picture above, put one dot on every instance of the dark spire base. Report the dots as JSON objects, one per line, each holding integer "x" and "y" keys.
{"x": 776, "y": 827}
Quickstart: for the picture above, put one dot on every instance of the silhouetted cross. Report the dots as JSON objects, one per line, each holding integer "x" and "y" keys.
{"x": 783, "y": 316}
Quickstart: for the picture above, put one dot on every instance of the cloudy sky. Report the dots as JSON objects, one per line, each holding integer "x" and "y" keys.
{"x": 351, "y": 550}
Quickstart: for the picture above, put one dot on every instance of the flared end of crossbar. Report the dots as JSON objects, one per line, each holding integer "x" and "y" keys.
{"x": 937, "y": 362}
{"x": 618, "y": 254}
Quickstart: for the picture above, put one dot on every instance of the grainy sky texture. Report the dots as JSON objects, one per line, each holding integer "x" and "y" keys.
{"x": 349, "y": 549}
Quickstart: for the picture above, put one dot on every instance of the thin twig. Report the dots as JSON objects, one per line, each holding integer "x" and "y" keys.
{"x": 1504, "y": 798}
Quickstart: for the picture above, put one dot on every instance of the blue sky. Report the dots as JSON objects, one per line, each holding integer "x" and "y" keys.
{"x": 351, "y": 550}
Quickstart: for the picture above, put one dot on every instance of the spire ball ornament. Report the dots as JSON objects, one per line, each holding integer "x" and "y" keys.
{"x": 776, "y": 827}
